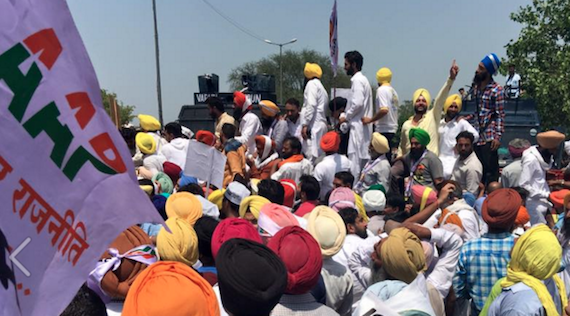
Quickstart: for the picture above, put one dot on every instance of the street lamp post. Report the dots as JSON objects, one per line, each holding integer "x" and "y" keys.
{"x": 281, "y": 62}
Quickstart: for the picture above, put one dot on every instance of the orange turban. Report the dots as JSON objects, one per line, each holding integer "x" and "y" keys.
{"x": 557, "y": 198}
{"x": 522, "y": 216}
{"x": 206, "y": 137}
{"x": 501, "y": 207}
{"x": 170, "y": 288}
{"x": 290, "y": 188}
{"x": 268, "y": 108}
{"x": 184, "y": 205}
{"x": 330, "y": 142}
{"x": 241, "y": 101}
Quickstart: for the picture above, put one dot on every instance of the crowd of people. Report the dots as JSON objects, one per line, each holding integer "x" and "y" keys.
{"x": 323, "y": 211}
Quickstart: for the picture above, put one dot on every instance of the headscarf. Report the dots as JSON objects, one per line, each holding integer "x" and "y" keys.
{"x": 491, "y": 63}
{"x": 374, "y": 200}
{"x": 184, "y": 205}
{"x": 149, "y": 123}
{"x": 274, "y": 217}
{"x": 535, "y": 257}
{"x": 145, "y": 143}
{"x": 251, "y": 277}
{"x": 550, "y": 139}
{"x": 290, "y": 189}
{"x": 522, "y": 216}
{"x": 403, "y": 255}
{"x": 421, "y": 92}
{"x": 341, "y": 198}
{"x": 328, "y": 228}
{"x": 384, "y": 75}
{"x": 181, "y": 245}
{"x": 172, "y": 170}
{"x": 330, "y": 142}
{"x": 165, "y": 183}
{"x": 185, "y": 180}
{"x": 217, "y": 197}
{"x": 454, "y": 98}
{"x": 360, "y": 206}
{"x": 171, "y": 288}
{"x": 557, "y": 198}
{"x": 517, "y": 146}
{"x": 312, "y": 71}
{"x": 380, "y": 143}
{"x": 206, "y": 137}
{"x": 253, "y": 204}
{"x": 301, "y": 254}
{"x": 267, "y": 143}
{"x": 233, "y": 228}
{"x": 241, "y": 101}
{"x": 268, "y": 108}
{"x": 420, "y": 135}
{"x": 204, "y": 228}
{"x": 423, "y": 196}
{"x": 500, "y": 208}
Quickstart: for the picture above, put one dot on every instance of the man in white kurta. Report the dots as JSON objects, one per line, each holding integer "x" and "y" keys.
{"x": 359, "y": 106}
{"x": 331, "y": 164}
{"x": 313, "y": 115}
{"x": 449, "y": 128}
{"x": 249, "y": 125}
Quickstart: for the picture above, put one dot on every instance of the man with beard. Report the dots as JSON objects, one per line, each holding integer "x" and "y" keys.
{"x": 249, "y": 123}
{"x": 359, "y": 106}
{"x": 234, "y": 194}
{"x": 490, "y": 116}
{"x": 313, "y": 117}
{"x": 294, "y": 164}
{"x": 449, "y": 127}
{"x": 272, "y": 124}
{"x": 377, "y": 169}
{"x": 218, "y": 113}
{"x": 467, "y": 169}
{"x": 428, "y": 120}
{"x": 292, "y": 117}
{"x": 535, "y": 162}
{"x": 421, "y": 165}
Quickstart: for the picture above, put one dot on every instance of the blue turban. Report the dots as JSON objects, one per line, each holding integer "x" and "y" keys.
{"x": 184, "y": 180}
{"x": 491, "y": 63}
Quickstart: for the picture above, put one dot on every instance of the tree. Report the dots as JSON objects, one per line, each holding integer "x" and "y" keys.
{"x": 293, "y": 77}
{"x": 125, "y": 111}
{"x": 405, "y": 111}
{"x": 542, "y": 57}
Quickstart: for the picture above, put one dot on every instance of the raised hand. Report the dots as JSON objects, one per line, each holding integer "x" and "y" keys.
{"x": 453, "y": 71}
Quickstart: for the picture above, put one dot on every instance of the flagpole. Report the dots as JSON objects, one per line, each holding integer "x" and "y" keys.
{"x": 157, "y": 55}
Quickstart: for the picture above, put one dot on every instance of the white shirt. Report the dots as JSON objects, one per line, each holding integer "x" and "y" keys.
{"x": 533, "y": 175}
{"x": 447, "y": 134}
{"x": 387, "y": 98}
{"x": 327, "y": 168}
{"x": 359, "y": 105}
{"x": 154, "y": 163}
{"x": 468, "y": 216}
{"x": 250, "y": 126}
{"x": 338, "y": 283}
{"x": 468, "y": 173}
{"x": 313, "y": 115}
{"x": 175, "y": 151}
{"x": 514, "y": 83}
{"x": 293, "y": 170}
{"x": 441, "y": 276}
{"x": 160, "y": 141}
{"x": 294, "y": 127}
{"x": 511, "y": 174}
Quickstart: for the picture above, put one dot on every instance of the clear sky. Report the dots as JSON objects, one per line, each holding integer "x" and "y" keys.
{"x": 416, "y": 39}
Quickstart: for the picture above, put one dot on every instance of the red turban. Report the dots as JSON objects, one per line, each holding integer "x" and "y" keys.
{"x": 241, "y": 101}
{"x": 557, "y": 198}
{"x": 172, "y": 170}
{"x": 522, "y": 216}
{"x": 206, "y": 137}
{"x": 301, "y": 254}
{"x": 330, "y": 142}
{"x": 233, "y": 228}
{"x": 501, "y": 207}
{"x": 290, "y": 189}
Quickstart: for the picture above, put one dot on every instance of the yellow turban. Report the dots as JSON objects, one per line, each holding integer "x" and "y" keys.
{"x": 217, "y": 197}
{"x": 149, "y": 123}
{"x": 145, "y": 143}
{"x": 449, "y": 101}
{"x": 380, "y": 143}
{"x": 403, "y": 255}
{"x": 360, "y": 207}
{"x": 268, "y": 108}
{"x": 252, "y": 203}
{"x": 384, "y": 75}
{"x": 181, "y": 245}
{"x": 328, "y": 228}
{"x": 313, "y": 70}
{"x": 536, "y": 256}
{"x": 184, "y": 205}
{"x": 424, "y": 93}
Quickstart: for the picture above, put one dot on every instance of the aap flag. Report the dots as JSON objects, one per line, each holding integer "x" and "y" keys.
{"x": 333, "y": 42}
{"x": 67, "y": 184}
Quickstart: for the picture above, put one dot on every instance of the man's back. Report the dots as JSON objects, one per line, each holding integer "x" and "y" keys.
{"x": 293, "y": 170}
{"x": 299, "y": 305}
{"x": 511, "y": 174}
{"x": 387, "y": 97}
{"x": 326, "y": 169}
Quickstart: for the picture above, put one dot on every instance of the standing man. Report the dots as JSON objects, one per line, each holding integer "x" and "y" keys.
{"x": 272, "y": 124}
{"x": 490, "y": 116}
{"x": 292, "y": 117}
{"x": 177, "y": 147}
{"x": 331, "y": 164}
{"x": 249, "y": 123}
{"x": 313, "y": 116}
{"x": 513, "y": 84}
{"x": 359, "y": 106}
{"x": 218, "y": 113}
{"x": 449, "y": 128}
{"x": 387, "y": 103}
{"x": 467, "y": 170}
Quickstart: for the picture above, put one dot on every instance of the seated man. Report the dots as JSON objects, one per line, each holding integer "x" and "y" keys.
{"x": 294, "y": 164}
{"x": 235, "y": 153}
{"x": 377, "y": 169}
{"x": 265, "y": 164}
{"x": 331, "y": 163}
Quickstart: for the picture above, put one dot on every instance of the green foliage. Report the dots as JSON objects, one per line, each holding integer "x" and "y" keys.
{"x": 125, "y": 111}
{"x": 405, "y": 111}
{"x": 293, "y": 77}
{"x": 542, "y": 58}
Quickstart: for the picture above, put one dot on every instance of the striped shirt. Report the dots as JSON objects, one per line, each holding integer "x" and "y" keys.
{"x": 482, "y": 262}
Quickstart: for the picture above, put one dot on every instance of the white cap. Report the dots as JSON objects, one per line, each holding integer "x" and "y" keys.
{"x": 235, "y": 192}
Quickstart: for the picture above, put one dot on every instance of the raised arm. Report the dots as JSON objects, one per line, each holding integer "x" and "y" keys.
{"x": 437, "y": 109}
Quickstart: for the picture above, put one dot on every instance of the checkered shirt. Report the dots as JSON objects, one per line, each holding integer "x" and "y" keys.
{"x": 491, "y": 107}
